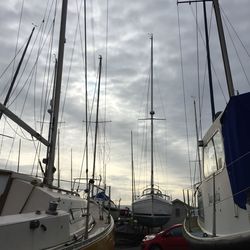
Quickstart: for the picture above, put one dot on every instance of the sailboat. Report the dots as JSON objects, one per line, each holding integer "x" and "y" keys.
{"x": 153, "y": 208}
{"x": 223, "y": 192}
{"x": 35, "y": 214}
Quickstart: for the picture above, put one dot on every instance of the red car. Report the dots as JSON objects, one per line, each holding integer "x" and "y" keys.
{"x": 170, "y": 239}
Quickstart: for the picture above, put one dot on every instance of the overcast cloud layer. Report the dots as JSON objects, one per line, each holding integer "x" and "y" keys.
{"x": 127, "y": 71}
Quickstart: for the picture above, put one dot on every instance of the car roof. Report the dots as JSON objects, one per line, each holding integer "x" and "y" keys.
{"x": 173, "y": 226}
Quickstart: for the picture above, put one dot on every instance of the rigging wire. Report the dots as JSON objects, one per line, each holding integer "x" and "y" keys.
{"x": 13, "y": 141}
{"x": 199, "y": 91}
{"x": 198, "y": 68}
{"x": 90, "y": 111}
{"x": 139, "y": 154}
{"x": 105, "y": 93}
{"x": 46, "y": 90}
{"x": 144, "y": 140}
{"x": 42, "y": 29}
{"x": 1, "y": 144}
{"x": 43, "y": 113}
{"x": 205, "y": 66}
{"x": 161, "y": 164}
{"x": 38, "y": 146}
{"x": 20, "y": 77}
{"x": 236, "y": 33}
{"x": 8, "y": 66}
{"x": 93, "y": 33}
{"x": 30, "y": 76}
{"x": 86, "y": 103}
{"x": 78, "y": 27}
{"x": 84, "y": 58}
{"x": 89, "y": 127}
{"x": 15, "y": 131}
{"x": 236, "y": 51}
{"x": 46, "y": 86}
{"x": 18, "y": 32}
{"x": 15, "y": 55}
{"x": 6, "y": 85}
{"x": 184, "y": 97}
{"x": 36, "y": 61}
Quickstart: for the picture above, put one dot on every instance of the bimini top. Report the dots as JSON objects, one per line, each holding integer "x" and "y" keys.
{"x": 235, "y": 123}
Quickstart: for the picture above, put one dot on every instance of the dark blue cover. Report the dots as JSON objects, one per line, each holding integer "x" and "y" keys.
{"x": 236, "y": 135}
{"x": 102, "y": 196}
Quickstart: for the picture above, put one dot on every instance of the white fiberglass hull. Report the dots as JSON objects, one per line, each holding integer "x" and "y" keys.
{"x": 26, "y": 217}
{"x": 152, "y": 210}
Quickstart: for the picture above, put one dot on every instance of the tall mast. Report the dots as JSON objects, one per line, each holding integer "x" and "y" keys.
{"x": 58, "y": 159}
{"x": 209, "y": 62}
{"x": 132, "y": 166}
{"x": 97, "y": 115}
{"x": 223, "y": 48}
{"x": 222, "y": 42}
{"x": 86, "y": 90}
{"x": 51, "y": 149}
{"x": 152, "y": 118}
{"x": 91, "y": 181}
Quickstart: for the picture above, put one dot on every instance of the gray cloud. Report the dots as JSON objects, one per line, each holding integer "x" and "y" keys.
{"x": 127, "y": 78}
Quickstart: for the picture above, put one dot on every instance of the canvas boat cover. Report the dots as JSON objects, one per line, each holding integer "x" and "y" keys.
{"x": 236, "y": 135}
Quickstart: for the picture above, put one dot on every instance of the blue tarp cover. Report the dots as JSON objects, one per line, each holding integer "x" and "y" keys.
{"x": 102, "y": 196}
{"x": 236, "y": 135}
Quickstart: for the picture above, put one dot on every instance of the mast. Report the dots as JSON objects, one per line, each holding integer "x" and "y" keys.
{"x": 58, "y": 159}
{"x": 152, "y": 118}
{"x": 223, "y": 48}
{"x": 222, "y": 44}
{"x": 209, "y": 62}
{"x": 97, "y": 115}
{"x": 132, "y": 165}
{"x": 52, "y": 142}
{"x": 91, "y": 181}
{"x": 86, "y": 92}
{"x": 71, "y": 171}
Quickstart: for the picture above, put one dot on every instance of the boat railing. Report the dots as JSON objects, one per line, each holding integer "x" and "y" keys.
{"x": 65, "y": 191}
{"x": 156, "y": 191}
{"x": 75, "y": 185}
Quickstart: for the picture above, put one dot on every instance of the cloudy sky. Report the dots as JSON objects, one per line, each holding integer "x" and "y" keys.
{"x": 125, "y": 47}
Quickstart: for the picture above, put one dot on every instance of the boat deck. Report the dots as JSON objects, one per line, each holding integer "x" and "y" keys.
{"x": 101, "y": 219}
{"x": 192, "y": 226}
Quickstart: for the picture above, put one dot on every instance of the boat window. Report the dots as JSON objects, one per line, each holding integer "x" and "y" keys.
{"x": 213, "y": 155}
{"x": 219, "y": 150}
{"x": 209, "y": 159}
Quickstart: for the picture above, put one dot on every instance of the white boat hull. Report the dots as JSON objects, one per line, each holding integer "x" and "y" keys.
{"x": 152, "y": 210}
{"x": 223, "y": 194}
{"x": 26, "y": 217}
